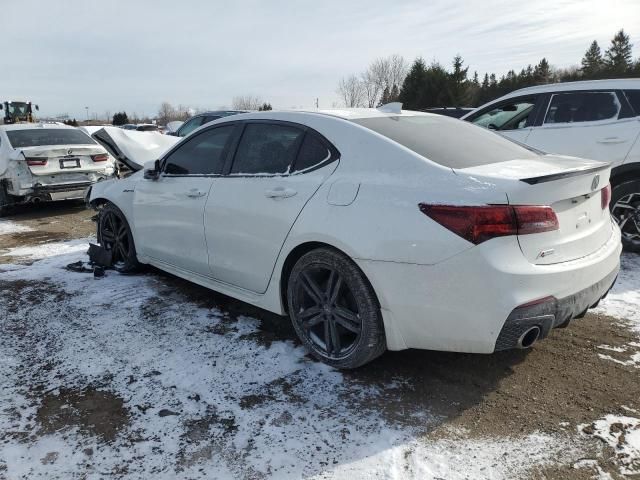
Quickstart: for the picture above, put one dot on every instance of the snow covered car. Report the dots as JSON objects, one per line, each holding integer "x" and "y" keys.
{"x": 373, "y": 229}
{"x": 597, "y": 119}
{"x": 48, "y": 161}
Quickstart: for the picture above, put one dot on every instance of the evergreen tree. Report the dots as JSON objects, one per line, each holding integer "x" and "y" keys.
{"x": 384, "y": 98}
{"x": 618, "y": 56}
{"x": 412, "y": 88}
{"x": 395, "y": 93}
{"x": 458, "y": 87}
{"x": 265, "y": 107}
{"x": 120, "y": 118}
{"x": 542, "y": 72}
{"x": 592, "y": 61}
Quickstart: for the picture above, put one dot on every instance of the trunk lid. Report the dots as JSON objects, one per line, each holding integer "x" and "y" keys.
{"x": 571, "y": 186}
{"x": 67, "y": 159}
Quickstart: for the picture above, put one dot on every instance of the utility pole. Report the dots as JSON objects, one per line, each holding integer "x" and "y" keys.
{"x": 87, "y": 108}
{"x": 317, "y": 103}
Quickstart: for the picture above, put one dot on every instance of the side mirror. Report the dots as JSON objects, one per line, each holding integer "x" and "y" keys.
{"x": 152, "y": 170}
{"x": 37, "y": 108}
{"x": 492, "y": 126}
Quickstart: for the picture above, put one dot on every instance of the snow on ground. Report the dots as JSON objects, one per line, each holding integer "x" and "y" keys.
{"x": 196, "y": 392}
{"x": 623, "y": 300}
{"x": 622, "y": 434}
{"x": 7, "y": 227}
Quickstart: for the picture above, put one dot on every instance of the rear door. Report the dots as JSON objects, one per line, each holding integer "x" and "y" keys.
{"x": 169, "y": 211}
{"x": 588, "y": 124}
{"x": 276, "y": 169}
{"x": 513, "y": 118}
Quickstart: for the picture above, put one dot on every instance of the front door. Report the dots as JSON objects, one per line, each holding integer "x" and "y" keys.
{"x": 169, "y": 211}
{"x": 511, "y": 118}
{"x": 276, "y": 169}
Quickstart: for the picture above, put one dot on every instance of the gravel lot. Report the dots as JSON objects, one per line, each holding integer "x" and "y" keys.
{"x": 148, "y": 376}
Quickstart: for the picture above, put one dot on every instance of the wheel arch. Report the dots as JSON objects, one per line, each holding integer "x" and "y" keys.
{"x": 624, "y": 173}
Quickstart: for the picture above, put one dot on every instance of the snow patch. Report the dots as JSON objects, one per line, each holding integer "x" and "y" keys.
{"x": 7, "y": 227}
{"x": 623, "y": 300}
{"x": 622, "y": 434}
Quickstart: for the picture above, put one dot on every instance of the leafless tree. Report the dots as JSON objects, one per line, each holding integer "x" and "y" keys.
{"x": 383, "y": 72}
{"x": 351, "y": 91}
{"x": 166, "y": 113}
{"x": 246, "y": 102}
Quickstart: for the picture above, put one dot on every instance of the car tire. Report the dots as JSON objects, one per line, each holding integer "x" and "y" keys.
{"x": 334, "y": 309}
{"x": 625, "y": 208}
{"x": 5, "y": 200}
{"x": 115, "y": 235}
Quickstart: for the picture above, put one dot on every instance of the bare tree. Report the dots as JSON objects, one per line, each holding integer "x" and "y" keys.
{"x": 166, "y": 113}
{"x": 351, "y": 91}
{"x": 383, "y": 73}
{"x": 246, "y": 102}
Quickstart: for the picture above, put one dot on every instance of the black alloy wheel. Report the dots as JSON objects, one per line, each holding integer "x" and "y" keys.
{"x": 334, "y": 309}
{"x": 115, "y": 235}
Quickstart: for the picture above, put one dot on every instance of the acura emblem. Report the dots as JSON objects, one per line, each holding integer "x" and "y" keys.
{"x": 595, "y": 183}
{"x": 69, "y": 152}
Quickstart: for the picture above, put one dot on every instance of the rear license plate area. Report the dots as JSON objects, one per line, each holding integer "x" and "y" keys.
{"x": 69, "y": 163}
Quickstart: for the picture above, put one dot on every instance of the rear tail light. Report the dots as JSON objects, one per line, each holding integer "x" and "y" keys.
{"x": 605, "y": 196}
{"x": 478, "y": 224}
{"x": 36, "y": 162}
{"x": 101, "y": 157}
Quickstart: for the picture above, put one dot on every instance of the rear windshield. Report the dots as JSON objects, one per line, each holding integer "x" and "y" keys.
{"x": 47, "y": 136}
{"x": 449, "y": 142}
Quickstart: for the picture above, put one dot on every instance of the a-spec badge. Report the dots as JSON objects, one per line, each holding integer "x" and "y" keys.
{"x": 595, "y": 182}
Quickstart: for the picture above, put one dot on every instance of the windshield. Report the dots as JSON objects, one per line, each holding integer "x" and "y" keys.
{"x": 47, "y": 136}
{"x": 447, "y": 141}
{"x": 17, "y": 109}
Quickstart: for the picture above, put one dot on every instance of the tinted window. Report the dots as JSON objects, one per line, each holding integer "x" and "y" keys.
{"x": 312, "y": 152}
{"x": 47, "y": 136}
{"x": 582, "y": 107}
{"x": 634, "y": 99}
{"x": 210, "y": 119}
{"x": 190, "y": 126}
{"x": 447, "y": 141}
{"x": 201, "y": 155}
{"x": 266, "y": 148}
{"x": 507, "y": 116}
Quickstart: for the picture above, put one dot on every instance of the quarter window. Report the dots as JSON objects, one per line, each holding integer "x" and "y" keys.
{"x": 582, "y": 107}
{"x": 266, "y": 149}
{"x": 507, "y": 116}
{"x": 312, "y": 152}
{"x": 201, "y": 155}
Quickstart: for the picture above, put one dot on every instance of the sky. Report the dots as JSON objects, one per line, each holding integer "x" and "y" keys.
{"x": 131, "y": 55}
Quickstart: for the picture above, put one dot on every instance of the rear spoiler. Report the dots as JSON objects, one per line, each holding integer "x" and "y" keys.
{"x": 569, "y": 173}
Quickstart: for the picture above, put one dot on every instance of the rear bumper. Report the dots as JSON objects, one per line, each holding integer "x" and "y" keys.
{"x": 551, "y": 313}
{"x": 461, "y": 304}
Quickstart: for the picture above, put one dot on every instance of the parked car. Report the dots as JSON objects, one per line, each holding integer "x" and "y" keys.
{"x": 198, "y": 120}
{"x": 373, "y": 229}
{"x": 597, "y": 119}
{"x": 140, "y": 127}
{"x": 455, "y": 112}
{"x": 48, "y": 161}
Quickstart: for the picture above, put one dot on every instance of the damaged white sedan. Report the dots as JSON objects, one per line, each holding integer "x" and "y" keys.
{"x": 48, "y": 161}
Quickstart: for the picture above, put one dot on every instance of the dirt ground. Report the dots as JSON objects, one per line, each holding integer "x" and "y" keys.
{"x": 552, "y": 388}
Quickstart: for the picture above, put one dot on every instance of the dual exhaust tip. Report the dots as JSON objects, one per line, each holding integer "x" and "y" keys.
{"x": 529, "y": 337}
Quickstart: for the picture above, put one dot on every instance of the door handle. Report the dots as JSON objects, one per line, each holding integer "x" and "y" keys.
{"x": 195, "y": 193}
{"x": 280, "y": 192}
{"x": 611, "y": 140}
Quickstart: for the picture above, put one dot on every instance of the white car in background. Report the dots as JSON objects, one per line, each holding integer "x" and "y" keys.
{"x": 597, "y": 119}
{"x": 373, "y": 229}
{"x": 48, "y": 161}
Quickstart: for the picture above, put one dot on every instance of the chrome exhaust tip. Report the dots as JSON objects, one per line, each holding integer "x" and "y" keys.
{"x": 528, "y": 338}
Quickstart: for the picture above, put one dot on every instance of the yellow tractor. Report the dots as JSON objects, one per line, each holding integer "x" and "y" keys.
{"x": 15, "y": 112}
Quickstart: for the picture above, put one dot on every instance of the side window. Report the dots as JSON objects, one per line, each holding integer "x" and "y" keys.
{"x": 510, "y": 115}
{"x": 190, "y": 126}
{"x": 582, "y": 107}
{"x": 266, "y": 148}
{"x": 312, "y": 152}
{"x": 210, "y": 119}
{"x": 634, "y": 99}
{"x": 201, "y": 155}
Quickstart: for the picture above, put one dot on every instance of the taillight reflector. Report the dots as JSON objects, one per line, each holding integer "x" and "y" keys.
{"x": 605, "y": 196}
{"x": 101, "y": 157}
{"x": 36, "y": 161}
{"x": 478, "y": 224}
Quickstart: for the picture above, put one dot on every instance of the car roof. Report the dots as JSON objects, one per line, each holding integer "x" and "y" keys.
{"x": 33, "y": 126}
{"x": 618, "y": 83}
{"x": 219, "y": 112}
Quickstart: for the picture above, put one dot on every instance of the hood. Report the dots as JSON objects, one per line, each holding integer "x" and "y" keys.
{"x": 134, "y": 148}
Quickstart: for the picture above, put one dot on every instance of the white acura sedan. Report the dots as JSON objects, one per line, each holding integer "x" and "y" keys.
{"x": 373, "y": 229}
